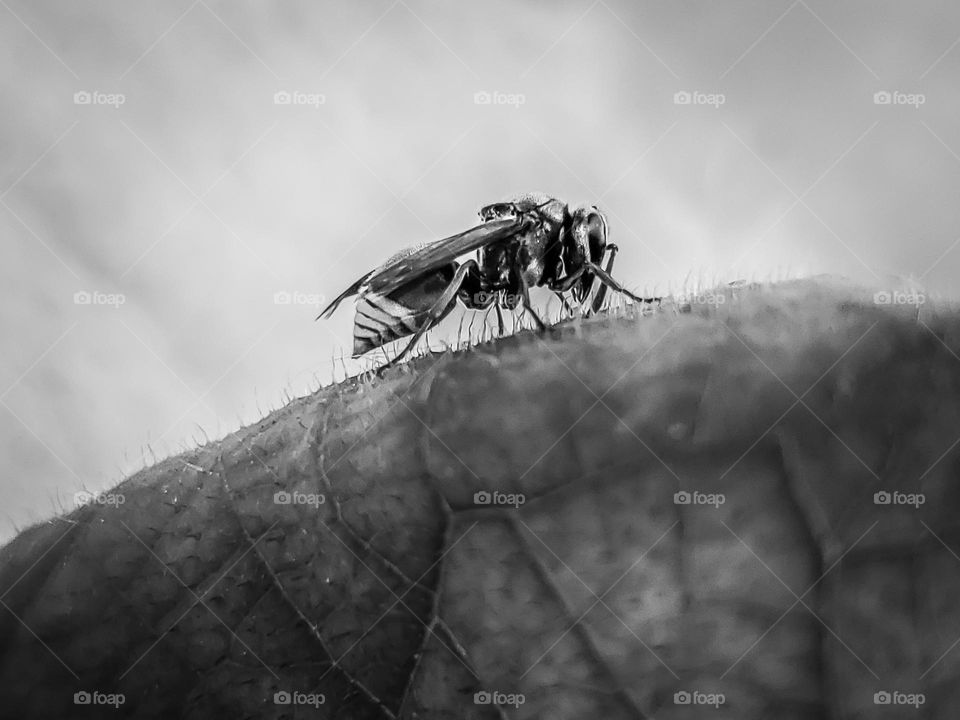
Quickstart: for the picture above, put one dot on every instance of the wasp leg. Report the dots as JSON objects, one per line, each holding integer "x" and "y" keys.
{"x": 437, "y": 311}
{"x": 528, "y": 307}
{"x": 602, "y": 290}
{"x": 568, "y": 282}
{"x": 606, "y": 278}
{"x": 499, "y": 317}
{"x": 566, "y": 305}
{"x": 563, "y": 285}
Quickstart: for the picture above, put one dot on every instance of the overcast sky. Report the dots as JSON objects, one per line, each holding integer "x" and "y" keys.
{"x": 148, "y": 161}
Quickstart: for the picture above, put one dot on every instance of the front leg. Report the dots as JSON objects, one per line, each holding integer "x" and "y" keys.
{"x": 608, "y": 280}
{"x": 602, "y": 290}
{"x": 562, "y": 285}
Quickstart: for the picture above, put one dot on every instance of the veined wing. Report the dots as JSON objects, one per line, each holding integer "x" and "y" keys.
{"x": 406, "y": 266}
{"x": 413, "y": 262}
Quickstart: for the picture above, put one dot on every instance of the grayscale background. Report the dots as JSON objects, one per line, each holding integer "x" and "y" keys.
{"x": 170, "y": 223}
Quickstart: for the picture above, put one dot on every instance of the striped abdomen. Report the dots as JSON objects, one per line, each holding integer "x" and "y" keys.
{"x": 381, "y": 319}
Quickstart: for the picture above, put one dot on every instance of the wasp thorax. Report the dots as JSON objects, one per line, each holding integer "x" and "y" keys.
{"x": 498, "y": 211}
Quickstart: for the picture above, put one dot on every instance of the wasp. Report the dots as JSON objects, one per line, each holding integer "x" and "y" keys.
{"x": 533, "y": 240}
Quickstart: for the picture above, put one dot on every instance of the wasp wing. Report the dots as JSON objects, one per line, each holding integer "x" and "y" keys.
{"x": 407, "y": 266}
{"x": 352, "y": 290}
{"x": 421, "y": 259}
{"x": 358, "y": 285}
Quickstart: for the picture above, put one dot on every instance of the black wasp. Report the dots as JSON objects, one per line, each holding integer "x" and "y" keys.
{"x": 533, "y": 240}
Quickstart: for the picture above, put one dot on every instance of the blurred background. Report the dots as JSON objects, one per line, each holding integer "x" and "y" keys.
{"x": 182, "y": 184}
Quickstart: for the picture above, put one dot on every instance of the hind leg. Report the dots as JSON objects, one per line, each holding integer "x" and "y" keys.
{"x": 528, "y": 307}
{"x": 438, "y": 311}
